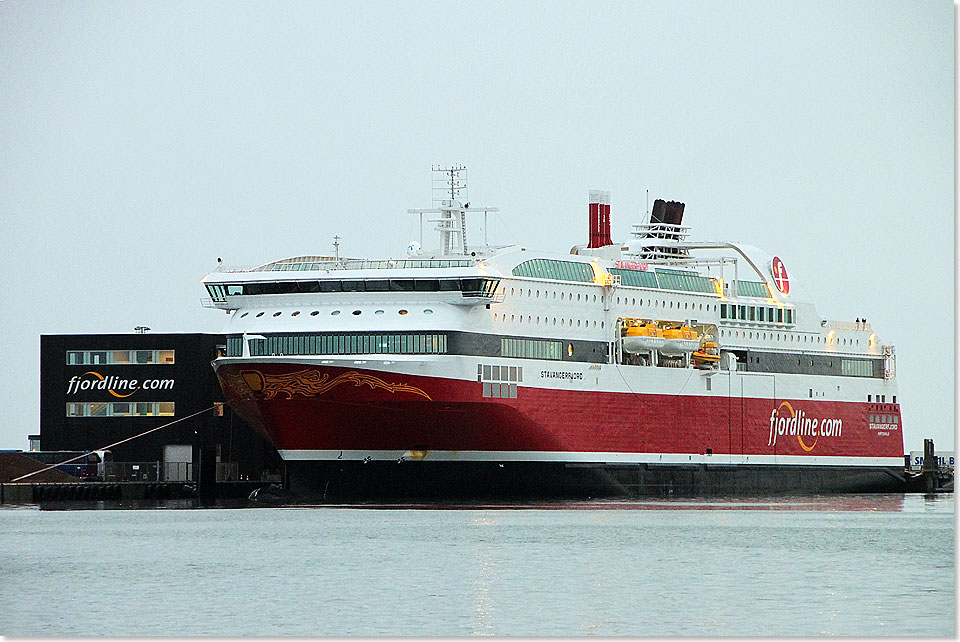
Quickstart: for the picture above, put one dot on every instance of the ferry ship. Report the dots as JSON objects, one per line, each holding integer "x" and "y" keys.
{"x": 656, "y": 365}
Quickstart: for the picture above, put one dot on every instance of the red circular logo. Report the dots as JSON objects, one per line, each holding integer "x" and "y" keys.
{"x": 780, "y": 276}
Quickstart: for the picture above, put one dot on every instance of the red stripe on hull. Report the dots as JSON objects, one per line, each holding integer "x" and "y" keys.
{"x": 305, "y": 407}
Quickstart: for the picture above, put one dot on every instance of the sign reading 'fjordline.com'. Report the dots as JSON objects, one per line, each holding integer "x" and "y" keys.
{"x": 119, "y": 387}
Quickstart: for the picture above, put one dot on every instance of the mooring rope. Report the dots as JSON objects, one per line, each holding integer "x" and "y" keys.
{"x": 122, "y": 441}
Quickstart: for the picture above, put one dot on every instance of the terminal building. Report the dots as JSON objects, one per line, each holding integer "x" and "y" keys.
{"x": 104, "y": 391}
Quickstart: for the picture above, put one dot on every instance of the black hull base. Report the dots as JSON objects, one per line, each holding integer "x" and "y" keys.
{"x": 351, "y": 481}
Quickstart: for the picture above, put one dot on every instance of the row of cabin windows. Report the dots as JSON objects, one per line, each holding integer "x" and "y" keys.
{"x": 667, "y": 280}
{"x": 121, "y": 409}
{"x": 744, "y": 334}
{"x": 856, "y": 368}
{"x": 587, "y": 298}
{"x": 398, "y": 264}
{"x": 319, "y": 344}
{"x": 469, "y": 287}
{"x": 555, "y": 270}
{"x": 884, "y": 419}
{"x": 531, "y": 348}
{"x": 545, "y": 320}
{"x": 118, "y": 357}
{"x": 679, "y": 280}
{"x": 753, "y": 288}
{"x": 333, "y": 313}
{"x": 762, "y": 314}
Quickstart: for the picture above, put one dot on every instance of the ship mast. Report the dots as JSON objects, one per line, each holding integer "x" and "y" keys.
{"x": 449, "y": 194}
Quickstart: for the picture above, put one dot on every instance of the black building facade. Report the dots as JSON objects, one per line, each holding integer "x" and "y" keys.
{"x": 100, "y": 389}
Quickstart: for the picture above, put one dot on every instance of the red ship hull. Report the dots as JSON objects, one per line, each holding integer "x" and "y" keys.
{"x": 332, "y": 414}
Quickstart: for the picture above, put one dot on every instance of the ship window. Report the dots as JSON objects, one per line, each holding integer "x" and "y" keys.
{"x": 570, "y": 349}
{"x": 555, "y": 270}
{"x": 295, "y": 313}
{"x": 335, "y": 313}
{"x": 379, "y": 312}
{"x": 315, "y": 313}
{"x": 401, "y": 312}
{"x": 428, "y": 311}
{"x": 259, "y": 314}
{"x": 357, "y": 313}
{"x": 244, "y": 314}
{"x": 276, "y": 314}
{"x": 426, "y": 285}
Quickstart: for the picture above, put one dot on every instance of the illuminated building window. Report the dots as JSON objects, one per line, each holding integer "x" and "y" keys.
{"x": 121, "y": 409}
{"x": 119, "y": 357}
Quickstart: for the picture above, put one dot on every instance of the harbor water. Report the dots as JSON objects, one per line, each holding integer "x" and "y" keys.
{"x": 840, "y": 565}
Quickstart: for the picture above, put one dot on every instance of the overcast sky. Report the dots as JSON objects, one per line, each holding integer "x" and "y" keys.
{"x": 139, "y": 141}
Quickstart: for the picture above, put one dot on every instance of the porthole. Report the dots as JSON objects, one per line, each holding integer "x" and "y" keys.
{"x": 378, "y": 312}
{"x": 495, "y": 316}
{"x": 357, "y": 313}
{"x": 671, "y": 305}
{"x": 335, "y": 313}
{"x": 594, "y": 324}
{"x": 521, "y": 318}
{"x": 511, "y": 291}
{"x": 513, "y": 318}
{"x": 578, "y": 323}
{"x": 578, "y": 296}
{"x": 259, "y": 314}
{"x": 295, "y": 314}
{"x": 601, "y": 325}
{"x": 244, "y": 314}
{"x": 528, "y": 292}
{"x": 618, "y": 300}
{"x": 315, "y": 313}
{"x": 554, "y": 320}
{"x": 529, "y": 318}
{"x": 594, "y": 298}
{"x": 276, "y": 314}
{"x": 427, "y": 311}
{"x": 563, "y": 321}
{"x": 538, "y": 294}
{"x": 402, "y": 312}
{"x": 633, "y": 301}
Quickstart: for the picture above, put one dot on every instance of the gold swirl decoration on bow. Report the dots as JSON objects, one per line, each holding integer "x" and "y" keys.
{"x": 310, "y": 383}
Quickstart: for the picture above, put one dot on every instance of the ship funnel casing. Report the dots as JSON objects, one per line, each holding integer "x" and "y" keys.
{"x": 599, "y": 222}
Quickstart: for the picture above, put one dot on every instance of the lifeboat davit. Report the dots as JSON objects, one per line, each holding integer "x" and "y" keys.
{"x": 680, "y": 340}
{"x": 642, "y": 338}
